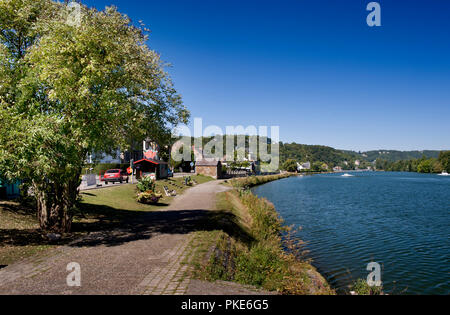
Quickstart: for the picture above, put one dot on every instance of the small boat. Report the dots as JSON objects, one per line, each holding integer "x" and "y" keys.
{"x": 347, "y": 175}
{"x": 444, "y": 173}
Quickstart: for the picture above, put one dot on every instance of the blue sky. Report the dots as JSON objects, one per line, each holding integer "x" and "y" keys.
{"x": 314, "y": 68}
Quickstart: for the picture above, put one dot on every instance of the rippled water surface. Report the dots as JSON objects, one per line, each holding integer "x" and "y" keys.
{"x": 401, "y": 220}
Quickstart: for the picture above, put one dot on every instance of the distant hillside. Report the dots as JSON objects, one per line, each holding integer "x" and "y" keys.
{"x": 314, "y": 153}
{"x": 335, "y": 157}
{"x": 394, "y": 156}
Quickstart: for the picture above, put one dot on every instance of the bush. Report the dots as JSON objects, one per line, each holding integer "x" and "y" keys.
{"x": 425, "y": 166}
{"x": 146, "y": 184}
{"x": 290, "y": 166}
{"x": 361, "y": 287}
{"x": 102, "y": 168}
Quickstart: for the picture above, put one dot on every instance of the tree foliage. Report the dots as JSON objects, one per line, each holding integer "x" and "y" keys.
{"x": 290, "y": 165}
{"x": 444, "y": 159}
{"x": 422, "y": 165}
{"x": 315, "y": 153}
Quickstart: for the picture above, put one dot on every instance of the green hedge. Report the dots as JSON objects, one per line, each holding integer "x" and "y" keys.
{"x": 104, "y": 167}
{"x": 248, "y": 182}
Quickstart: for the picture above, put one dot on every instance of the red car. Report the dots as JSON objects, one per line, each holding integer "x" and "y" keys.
{"x": 115, "y": 176}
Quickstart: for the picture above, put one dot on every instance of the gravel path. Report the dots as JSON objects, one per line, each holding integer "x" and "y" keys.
{"x": 143, "y": 257}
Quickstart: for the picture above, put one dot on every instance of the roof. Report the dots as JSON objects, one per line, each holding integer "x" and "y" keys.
{"x": 207, "y": 163}
{"x": 150, "y": 161}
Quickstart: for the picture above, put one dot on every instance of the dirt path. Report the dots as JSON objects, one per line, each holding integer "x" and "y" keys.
{"x": 143, "y": 257}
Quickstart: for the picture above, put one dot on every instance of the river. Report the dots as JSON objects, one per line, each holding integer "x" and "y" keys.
{"x": 399, "y": 220}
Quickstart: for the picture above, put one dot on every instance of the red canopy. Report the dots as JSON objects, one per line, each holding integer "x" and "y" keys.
{"x": 150, "y": 161}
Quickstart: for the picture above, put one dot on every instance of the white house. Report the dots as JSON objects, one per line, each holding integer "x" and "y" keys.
{"x": 304, "y": 166}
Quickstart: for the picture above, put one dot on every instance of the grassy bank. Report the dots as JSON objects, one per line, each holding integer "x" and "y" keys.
{"x": 249, "y": 182}
{"x": 247, "y": 246}
{"x": 98, "y": 210}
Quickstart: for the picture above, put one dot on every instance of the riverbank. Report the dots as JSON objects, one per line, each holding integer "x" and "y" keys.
{"x": 252, "y": 181}
{"x": 251, "y": 246}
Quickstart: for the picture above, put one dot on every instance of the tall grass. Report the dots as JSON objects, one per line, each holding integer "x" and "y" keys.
{"x": 248, "y": 182}
{"x": 264, "y": 262}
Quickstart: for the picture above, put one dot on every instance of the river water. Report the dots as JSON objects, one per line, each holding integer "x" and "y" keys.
{"x": 399, "y": 220}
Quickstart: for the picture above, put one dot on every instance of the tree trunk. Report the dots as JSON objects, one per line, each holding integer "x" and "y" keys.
{"x": 55, "y": 202}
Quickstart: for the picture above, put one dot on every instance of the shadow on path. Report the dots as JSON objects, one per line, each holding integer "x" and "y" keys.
{"x": 107, "y": 226}
{"x": 167, "y": 222}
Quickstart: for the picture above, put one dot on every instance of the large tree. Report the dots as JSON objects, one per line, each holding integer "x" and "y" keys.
{"x": 70, "y": 88}
{"x": 290, "y": 165}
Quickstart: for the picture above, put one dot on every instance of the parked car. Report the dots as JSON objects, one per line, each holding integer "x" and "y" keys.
{"x": 115, "y": 176}
{"x": 169, "y": 173}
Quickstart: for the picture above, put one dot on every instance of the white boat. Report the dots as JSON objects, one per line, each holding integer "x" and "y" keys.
{"x": 347, "y": 175}
{"x": 444, "y": 173}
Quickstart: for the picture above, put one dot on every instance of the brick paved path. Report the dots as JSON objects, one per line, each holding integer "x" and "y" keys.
{"x": 144, "y": 257}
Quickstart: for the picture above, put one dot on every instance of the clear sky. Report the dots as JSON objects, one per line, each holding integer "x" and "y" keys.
{"x": 314, "y": 68}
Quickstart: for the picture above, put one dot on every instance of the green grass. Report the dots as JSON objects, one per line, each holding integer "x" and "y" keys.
{"x": 19, "y": 235}
{"x": 123, "y": 197}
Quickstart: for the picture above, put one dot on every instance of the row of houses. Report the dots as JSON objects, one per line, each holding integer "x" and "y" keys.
{"x": 148, "y": 162}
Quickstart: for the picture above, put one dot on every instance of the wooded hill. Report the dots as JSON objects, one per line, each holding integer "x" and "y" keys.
{"x": 394, "y": 156}
{"x": 331, "y": 156}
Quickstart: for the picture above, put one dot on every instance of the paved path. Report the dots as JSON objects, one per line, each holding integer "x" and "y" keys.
{"x": 143, "y": 257}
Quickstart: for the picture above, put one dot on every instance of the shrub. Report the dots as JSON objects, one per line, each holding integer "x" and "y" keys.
{"x": 290, "y": 166}
{"x": 146, "y": 184}
{"x": 102, "y": 168}
{"x": 361, "y": 287}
